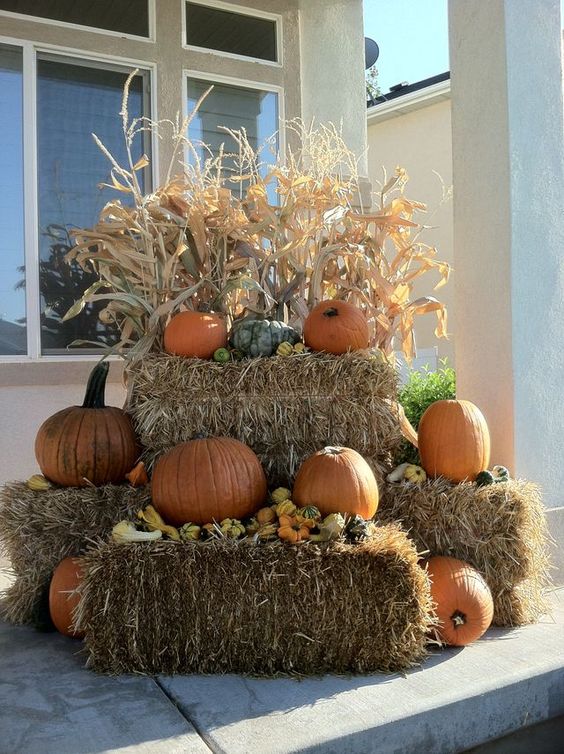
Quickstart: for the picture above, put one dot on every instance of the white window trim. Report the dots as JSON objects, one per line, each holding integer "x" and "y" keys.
{"x": 243, "y": 11}
{"x": 30, "y": 51}
{"x": 214, "y": 78}
{"x": 93, "y": 29}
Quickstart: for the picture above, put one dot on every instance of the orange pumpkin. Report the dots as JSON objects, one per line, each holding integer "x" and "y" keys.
{"x": 337, "y": 480}
{"x": 336, "y": 327}
{"x": 463, "y": 600}
{"x": 293, "y": 530}
{"x": 66, "y": 578}
{"x": 195, "y": 334}
{"x": 92, "y": 443}
{"x": 454, "y": 440}
{"x": 208, "y": 479}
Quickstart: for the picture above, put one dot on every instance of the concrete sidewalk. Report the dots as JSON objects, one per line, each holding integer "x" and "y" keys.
{"x": 49, "y": 704}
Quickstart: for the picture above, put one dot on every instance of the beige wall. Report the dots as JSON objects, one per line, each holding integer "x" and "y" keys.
{"x": 420, "y": 141}
{"x": 32, "y": 391}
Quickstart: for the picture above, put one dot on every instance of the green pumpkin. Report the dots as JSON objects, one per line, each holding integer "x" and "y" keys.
{"x": 261, "y": 337}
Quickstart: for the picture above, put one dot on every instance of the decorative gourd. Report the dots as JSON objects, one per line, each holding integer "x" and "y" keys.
{"x": 88, "y": 444}
{"x": 196, "y": 335}
{"x": 463, "y": 600}
{"x": 484, "y": 478}
{"x": 285, "y": 349}
{"x": 357, "y": 529}
{"x": 414, "y": 474}
{"x": 299, "y": 347}
{"x": 38, "y": 483}
{"x": 293, "y": 531}
{"x": 311, "y": 512}
{"x": 265, "y": 516}
{"x": 261, "y": 337}
{"x": 500, "y": 473}
{"x": 66, "y": 578}
{"x": 454, "y": 440}
{"x": 286, "y": 508}
{"x": 138, "y": 477}
{"x": 231, "y": 528}
{"x": 222, "y": 355}
{"x": 336, "y": 327}
{"x": 330, "y": 528}
{"x": 190, "y": 532}
{"x": 337, "y": 480}
{"x": 280, "y": 494}
{"x": 208, "y": 479}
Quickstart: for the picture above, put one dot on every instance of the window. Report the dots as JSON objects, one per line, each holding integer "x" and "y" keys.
{"x": 126, "y": 16}
{"x": 235, "y": 107}
{"x": 75, "y": 100}
{"x": 231, "y": 31}
{"x": 12, "y": 292}
{"x": 39, "y": 206}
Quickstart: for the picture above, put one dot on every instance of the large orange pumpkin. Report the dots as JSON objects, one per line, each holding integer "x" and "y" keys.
{"x": 336, "y": 327}
{"x": 337, "y": 480}
{"x": 195, "y": 334}
{"x": 66, "y": 578}
{"x": 454, "y": 440}
{"x": 463, "y": 600}
{"x": 208, "y": 479}
{"x": 92, "y": 443}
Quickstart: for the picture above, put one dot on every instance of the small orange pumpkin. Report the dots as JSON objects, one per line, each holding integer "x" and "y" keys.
{"x": 196, "y": 335}
{"x": 463, "y": 600}
{"x": 293, "y": 530}
{"x": 336, "y": 327}
{"x": 337, "y": 480}
{"x": 88, "y": 444}
{"x": 66, "y": 578}
{"x": 454, "y": 440}
{"x": 208, "y": 479}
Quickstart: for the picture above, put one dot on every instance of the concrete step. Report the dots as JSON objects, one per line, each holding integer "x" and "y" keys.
{"x": 459, "y": 698}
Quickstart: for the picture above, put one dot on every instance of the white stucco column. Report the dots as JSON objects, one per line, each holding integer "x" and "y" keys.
{"x": 508, "y": 152}
{"x": 332, "y": 69}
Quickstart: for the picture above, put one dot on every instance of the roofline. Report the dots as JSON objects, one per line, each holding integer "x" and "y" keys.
{"x": 403, "y": 101}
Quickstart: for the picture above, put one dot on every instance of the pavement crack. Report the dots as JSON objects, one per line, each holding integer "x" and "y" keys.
{"x": 213, "y": 747}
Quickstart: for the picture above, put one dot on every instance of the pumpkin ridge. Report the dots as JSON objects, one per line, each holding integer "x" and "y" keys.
{"x": 76, "y": 473}
{"x": 56, "y": 455}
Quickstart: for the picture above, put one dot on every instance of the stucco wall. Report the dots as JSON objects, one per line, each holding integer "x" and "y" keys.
{"x": 420, "y": 141}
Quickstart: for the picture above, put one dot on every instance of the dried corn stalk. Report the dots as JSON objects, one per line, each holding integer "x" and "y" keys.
{"x": 211, "y": 237}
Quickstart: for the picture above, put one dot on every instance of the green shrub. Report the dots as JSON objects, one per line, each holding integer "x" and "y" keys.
{"x": 423, "y": 388}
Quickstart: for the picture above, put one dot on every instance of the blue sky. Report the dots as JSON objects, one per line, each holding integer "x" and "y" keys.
{"x": 412, "y": 36}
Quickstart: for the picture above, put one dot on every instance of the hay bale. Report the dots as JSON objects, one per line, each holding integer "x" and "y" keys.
{"x": 227, "y": 607}
{"x": 500, "y": 529}
{"x": 284, "y": 408}
{"x": 40, "y": 528}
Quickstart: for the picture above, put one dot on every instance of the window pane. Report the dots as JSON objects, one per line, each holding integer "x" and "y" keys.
{"x": 12, "y": 291}
{"x": 125, "y": 16}
{"x": 234, "y": 107}
{"x": 225, "y": 31}
{"x": 74, "y": 101}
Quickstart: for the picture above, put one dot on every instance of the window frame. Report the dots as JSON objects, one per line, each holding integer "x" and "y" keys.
{"x": 30, "y": 52}
{"x": 95, "y": 30}
{"x": 215, "y": 78}
{"x": 242, "y": 10}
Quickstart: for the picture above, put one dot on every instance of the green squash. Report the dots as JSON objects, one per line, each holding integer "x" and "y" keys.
{"x": 484, "y": 478}
{"x": 261, "y": 337}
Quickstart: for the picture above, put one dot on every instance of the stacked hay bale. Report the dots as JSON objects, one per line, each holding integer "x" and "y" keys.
{"x": 40, "y": 528}
{"x": 186, "y": 608}
{"x": 285, "y": 409}
{"x": 500, "y": 529}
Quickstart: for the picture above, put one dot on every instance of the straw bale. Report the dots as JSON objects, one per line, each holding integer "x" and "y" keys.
{"x": 500, "y": 529}
{"x": 284, "y": 408}
{"x": 40, "y": 528}
{"x": 239, "y": 607}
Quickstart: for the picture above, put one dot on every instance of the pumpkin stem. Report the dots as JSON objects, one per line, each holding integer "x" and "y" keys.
{"x": 94, "y": 397}
{"x": 331, "y": 312}
{"x": 458, "y": 618}
{"x": 332, "y": 450}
